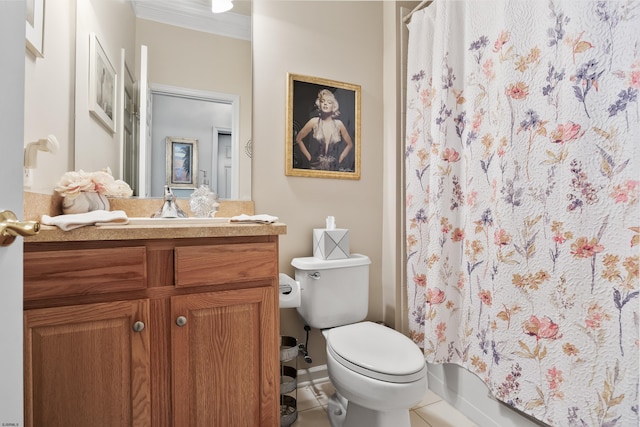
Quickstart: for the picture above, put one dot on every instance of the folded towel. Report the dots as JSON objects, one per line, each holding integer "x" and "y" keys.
{"x": 72, "y": 221}
{"x": 261, "y": 219}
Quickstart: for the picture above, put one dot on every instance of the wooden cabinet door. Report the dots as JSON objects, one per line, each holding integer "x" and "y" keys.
{"x": 225, "y": 359}
{"x": 85, "y": 365}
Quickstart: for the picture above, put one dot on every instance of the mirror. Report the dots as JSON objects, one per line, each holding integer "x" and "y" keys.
{"x": 190, "y": 52}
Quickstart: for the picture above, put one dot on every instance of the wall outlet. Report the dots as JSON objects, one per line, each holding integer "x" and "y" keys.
{"x": 27, "y": 179}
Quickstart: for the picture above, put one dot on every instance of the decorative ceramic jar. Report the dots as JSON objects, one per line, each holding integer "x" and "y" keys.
{"x": 85, "y": 202}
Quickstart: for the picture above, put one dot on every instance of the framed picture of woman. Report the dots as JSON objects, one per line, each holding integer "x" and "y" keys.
{"x": 182, "y": 162}
{"x": 323, "y": 128}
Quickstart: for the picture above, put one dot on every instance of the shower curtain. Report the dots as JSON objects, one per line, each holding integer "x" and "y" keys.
{"x": 522, "y": 188}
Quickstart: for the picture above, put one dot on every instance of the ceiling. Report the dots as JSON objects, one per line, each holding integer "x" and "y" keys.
{"x": 197, "y": 15}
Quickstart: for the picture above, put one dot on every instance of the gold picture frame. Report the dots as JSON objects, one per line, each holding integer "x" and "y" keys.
{"x": 182, "y": 162}
{"x": 323, "y": 128}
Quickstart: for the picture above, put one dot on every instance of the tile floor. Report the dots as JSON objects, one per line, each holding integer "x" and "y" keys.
{"x": 431, "y": 412}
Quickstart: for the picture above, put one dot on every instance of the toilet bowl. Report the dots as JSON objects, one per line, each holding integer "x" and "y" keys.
{"x": 380, "y": 372}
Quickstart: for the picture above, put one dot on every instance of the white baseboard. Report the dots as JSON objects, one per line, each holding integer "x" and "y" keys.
{"x": 315, "y": 374}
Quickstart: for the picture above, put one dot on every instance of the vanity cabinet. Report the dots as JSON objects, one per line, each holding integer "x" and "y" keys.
{"x": 155, "y": 332}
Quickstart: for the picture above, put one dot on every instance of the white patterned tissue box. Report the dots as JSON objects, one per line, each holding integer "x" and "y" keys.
{"x": 331, "y": 244}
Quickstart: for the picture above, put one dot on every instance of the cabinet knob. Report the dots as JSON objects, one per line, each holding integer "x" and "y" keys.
{"x": 138, "y": 326}
{"x": 181, "y": 321}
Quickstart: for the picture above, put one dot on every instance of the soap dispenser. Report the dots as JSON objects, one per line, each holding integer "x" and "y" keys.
{"x": 203, "y": 202}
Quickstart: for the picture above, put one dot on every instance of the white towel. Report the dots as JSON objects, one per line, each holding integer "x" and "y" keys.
{"x": 261, "y": 219}
{"x": 73, "y": 221}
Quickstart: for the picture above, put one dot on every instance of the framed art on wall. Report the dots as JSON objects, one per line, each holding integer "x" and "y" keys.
{"x": 35, "y": 27}
{"x": 182, "y": 162}
{"x": 102, "y": 85}
{"x": 323, "y": 128}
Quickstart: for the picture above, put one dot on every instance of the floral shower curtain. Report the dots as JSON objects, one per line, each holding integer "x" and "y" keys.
{"x": 522, "y": 188}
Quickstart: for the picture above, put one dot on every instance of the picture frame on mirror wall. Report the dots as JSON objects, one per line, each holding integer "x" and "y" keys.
{"x": 323, "y": 128}
{"x": 35, "y": 27}
{"x": 103, "y": 85}
{"x": 182, "y": 162}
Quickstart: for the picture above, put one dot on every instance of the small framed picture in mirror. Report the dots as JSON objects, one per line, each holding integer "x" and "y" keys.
{"x": 102, "y": 85}
{"x": 323, "y": 128}
{"x": 182, "y": 162}
{"x": 35, "y": 27}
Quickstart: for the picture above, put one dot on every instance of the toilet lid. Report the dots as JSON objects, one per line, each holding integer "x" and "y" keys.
{"x": 376, "y": 351}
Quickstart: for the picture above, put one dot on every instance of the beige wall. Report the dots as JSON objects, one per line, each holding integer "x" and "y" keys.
{"x": 340, "y": 41}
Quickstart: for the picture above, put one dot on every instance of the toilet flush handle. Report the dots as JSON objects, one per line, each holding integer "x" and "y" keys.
{"x": 315, "y": 275}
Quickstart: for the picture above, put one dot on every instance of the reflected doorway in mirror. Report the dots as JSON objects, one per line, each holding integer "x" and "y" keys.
{"x": 211, "y": 118}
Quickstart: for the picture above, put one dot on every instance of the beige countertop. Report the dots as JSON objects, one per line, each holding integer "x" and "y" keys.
{"x": 148, "y": 232}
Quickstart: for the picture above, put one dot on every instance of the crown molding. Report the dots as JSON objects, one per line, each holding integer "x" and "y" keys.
{"x": 194, "y": 16}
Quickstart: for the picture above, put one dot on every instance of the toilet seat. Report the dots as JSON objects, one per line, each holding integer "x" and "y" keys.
{"x": 376, "y": 351}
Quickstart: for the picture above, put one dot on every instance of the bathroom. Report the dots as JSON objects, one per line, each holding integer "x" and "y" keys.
{"x": 357, "y": 42}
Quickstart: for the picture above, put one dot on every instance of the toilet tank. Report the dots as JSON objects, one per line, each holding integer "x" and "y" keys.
{"x": 333, "y": 292}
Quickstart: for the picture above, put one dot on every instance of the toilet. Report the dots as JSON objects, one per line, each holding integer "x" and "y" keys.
{"x": 378, "y": 373}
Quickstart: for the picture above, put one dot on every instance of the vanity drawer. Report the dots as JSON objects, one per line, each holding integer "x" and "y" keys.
{"x": 50, "y": 274}
{"x": 226, "y": 263}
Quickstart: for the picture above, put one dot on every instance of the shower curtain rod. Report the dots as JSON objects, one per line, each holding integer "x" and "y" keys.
{"x": 422, "y": 4}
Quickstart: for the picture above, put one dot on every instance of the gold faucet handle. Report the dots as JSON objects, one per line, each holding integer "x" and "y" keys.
{"x": 10, "y": 227}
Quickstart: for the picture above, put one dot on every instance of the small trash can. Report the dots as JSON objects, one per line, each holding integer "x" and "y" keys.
{"x": 288, "y": 380}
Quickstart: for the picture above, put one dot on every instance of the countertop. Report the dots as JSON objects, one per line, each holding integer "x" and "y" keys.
{"x": 148, "y": 232}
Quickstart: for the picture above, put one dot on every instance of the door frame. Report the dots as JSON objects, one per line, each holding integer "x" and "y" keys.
{"x": 217, "y": 131}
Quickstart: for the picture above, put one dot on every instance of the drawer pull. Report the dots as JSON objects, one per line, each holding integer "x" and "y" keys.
{"x": 181, "y": 321}
{"x": 138, "y": 326}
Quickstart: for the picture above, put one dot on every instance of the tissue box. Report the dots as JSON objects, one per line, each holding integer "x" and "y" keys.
{"x": 331, "y": 244}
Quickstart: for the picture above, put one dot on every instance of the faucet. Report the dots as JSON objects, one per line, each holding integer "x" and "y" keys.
{"x": 170, "y": 208}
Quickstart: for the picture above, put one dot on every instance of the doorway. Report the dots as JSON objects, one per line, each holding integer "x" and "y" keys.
{"x": 223, "y": 159}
